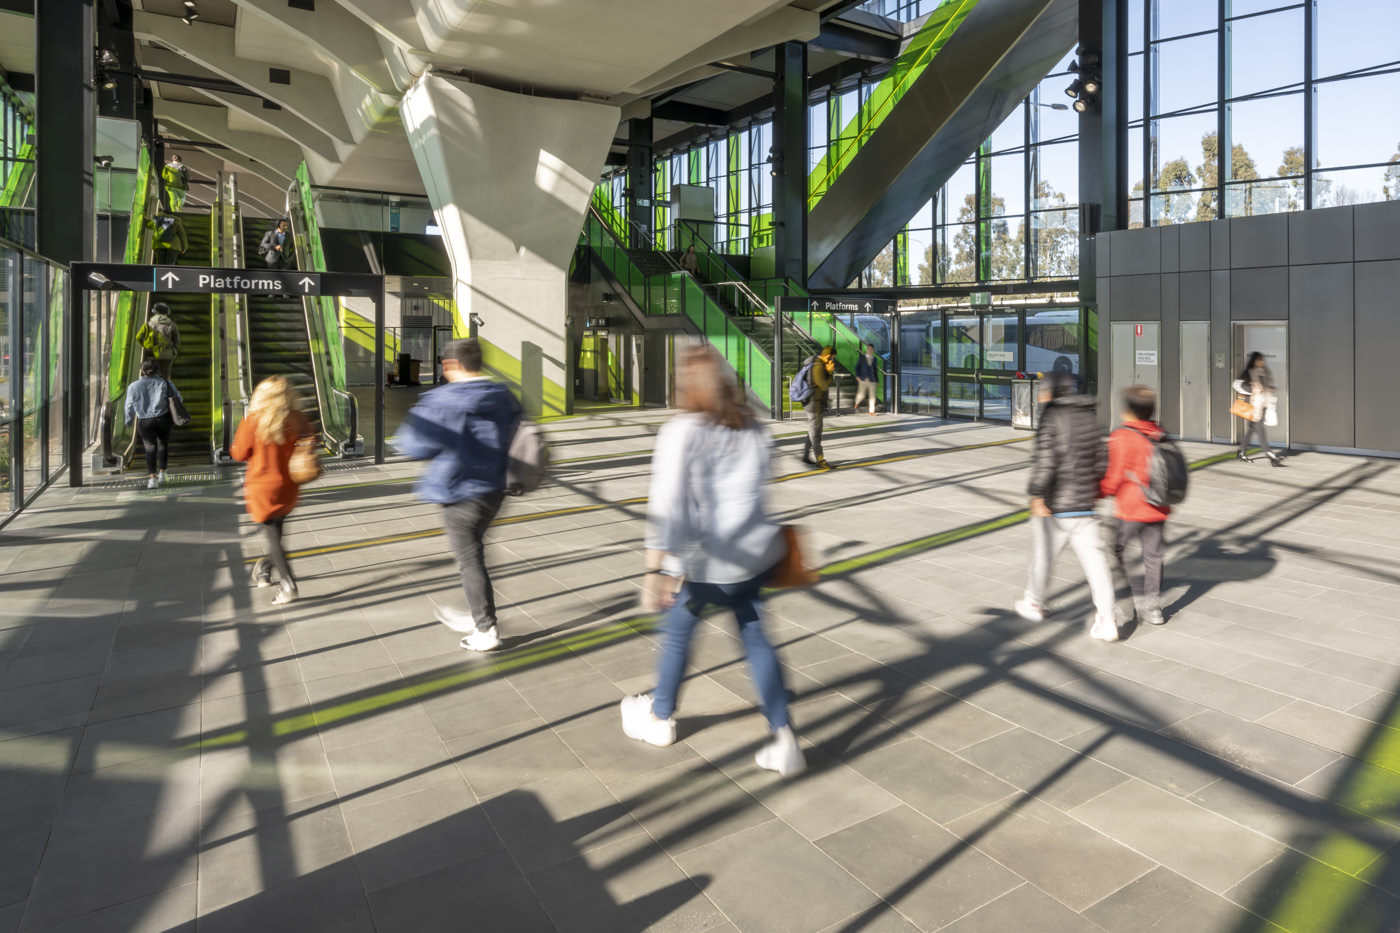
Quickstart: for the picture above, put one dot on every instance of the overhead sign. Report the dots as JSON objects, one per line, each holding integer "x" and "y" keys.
{"x": 234, "y": 281}
{"x": 852, "y": 305}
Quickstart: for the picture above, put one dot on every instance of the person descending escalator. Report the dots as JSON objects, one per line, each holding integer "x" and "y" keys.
{"x": 276, "y": 246}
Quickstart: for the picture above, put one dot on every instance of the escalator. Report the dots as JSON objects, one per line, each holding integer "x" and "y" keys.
{"x": 277, "y": 337}
{"x": 970, "y": 66}
{"x": 194, "y": 368}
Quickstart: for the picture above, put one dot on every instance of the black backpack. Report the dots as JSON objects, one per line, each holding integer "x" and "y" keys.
{"x": 1167, "y": 472}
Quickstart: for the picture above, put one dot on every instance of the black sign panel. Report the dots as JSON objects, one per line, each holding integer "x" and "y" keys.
{"x": 234, "y": 281}
{"x": 853, "y": 304}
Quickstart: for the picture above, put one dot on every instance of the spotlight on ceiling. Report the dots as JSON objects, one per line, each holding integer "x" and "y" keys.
{"x": 1081, "y": 105}
{"x": 1074, "y": 89}
{"x": 107, "y": 59}
{"x": 191, "y": 13}
{"x": 1091, "y": 86}
{"x": 108, "y": 82}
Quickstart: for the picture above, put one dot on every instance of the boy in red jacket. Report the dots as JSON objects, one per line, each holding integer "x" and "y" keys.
{"x": 1129, "y": 454}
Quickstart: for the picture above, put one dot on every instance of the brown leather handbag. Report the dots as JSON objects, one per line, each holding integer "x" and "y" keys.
{"x": 305, "y": 464}
{"x": 1241, "y": 408}
{"x": 792, "y": 571}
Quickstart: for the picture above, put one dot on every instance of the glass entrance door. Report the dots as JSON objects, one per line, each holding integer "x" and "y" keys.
{"x": 983, "y": 355}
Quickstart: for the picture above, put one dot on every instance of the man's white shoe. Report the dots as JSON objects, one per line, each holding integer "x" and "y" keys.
{"x": 640, "y": 723}
{"x": 455, "y": 619}
{"x": 1105, "y": 629}
{"x": 1030, "y": 611}
{"x": 151, "y": 483}
{"x": 161, "y": 477}
{"x": 782, "y": 754}
{"x": 482, "y": 640}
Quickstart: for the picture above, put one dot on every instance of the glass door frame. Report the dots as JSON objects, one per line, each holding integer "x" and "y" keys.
{"x": 979, "y": 374}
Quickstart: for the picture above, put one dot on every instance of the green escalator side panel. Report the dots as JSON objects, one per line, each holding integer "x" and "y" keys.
{"x": 16, "y": 191}
{"x": 615, "y": 221}
{"x": 125, "y": 325}
{"x": 334, "y": 350}
{"x": 931, "y": 37}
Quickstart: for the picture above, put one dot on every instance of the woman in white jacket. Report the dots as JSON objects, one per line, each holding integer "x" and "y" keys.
{"x": 1256, "y": 386}
{"x": 710, "y": 542}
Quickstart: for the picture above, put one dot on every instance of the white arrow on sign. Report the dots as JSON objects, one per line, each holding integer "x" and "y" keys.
{"x": 170, "y": 279}
{"x": 306, "y": 282}
{"x": 867, "y": 307}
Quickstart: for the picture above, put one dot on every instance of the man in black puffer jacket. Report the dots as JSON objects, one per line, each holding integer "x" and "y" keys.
{"x": 1069, "y": 461}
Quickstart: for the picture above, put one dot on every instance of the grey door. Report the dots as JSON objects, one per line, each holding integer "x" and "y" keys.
{"x": 1134, "y": 360}
{"x": 1195, "y": 380}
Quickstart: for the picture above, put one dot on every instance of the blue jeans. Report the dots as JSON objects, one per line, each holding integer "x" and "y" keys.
{"x": 678, "y": 628}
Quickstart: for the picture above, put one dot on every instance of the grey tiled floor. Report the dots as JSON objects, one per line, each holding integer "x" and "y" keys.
{"x": 176, "y": 753}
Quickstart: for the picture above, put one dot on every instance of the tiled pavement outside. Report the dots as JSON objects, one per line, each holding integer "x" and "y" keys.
{"x": 176, "y": 753}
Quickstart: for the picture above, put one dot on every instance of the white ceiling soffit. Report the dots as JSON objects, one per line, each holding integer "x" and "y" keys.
{"x": 211, "y": 122}
{"x": 328, "y": 41}
{"x": 17, "y": 43}
{"x": 310, "y": 96}
{"x": 602, "y": 47}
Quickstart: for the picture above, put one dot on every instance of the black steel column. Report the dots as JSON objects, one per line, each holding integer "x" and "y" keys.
{"x": 640, "y": 177}
{"x": 1103, "y": 131}
{"x": 65, "y": 127}
{"x": 790, "y": 161}
{"x": 379, "y": 303}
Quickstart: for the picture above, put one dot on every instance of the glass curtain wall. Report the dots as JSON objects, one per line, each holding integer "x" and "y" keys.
{"x": 737, "y": 166}
{"x": 1300, "y": 93}
{"x": 33, "y": 302}
{"x": 1010, "y": 213}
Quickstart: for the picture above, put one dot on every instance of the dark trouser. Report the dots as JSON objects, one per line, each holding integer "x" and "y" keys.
{"x": 465, "y": 523}
{"x": 1147, "y": 589}
{"x": 1255, "y": 429}
{"x": 815, "y": 414}
{"x": 155, "y": 437}
{"x": 166, "y": 255}
{"x": 678, "y": 629}
{"x": 276, "y": 260}
{"x": 272, "y": 535}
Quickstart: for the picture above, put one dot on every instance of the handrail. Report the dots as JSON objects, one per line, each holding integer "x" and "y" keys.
{"x": 236, "y": 358}
{"x": 907, "y": 69}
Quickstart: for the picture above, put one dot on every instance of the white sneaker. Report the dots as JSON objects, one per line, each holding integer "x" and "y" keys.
{"x": 640, "y": 723}
{"x": 262, "y": 573}
{"x": 1155, "y": 617}
{"x": 1104, "y": 629}
{"x": 161, "y": 478}
{"x": 286, "y": 593}
{"x": 151, "y": 483}
{"x": 1030, "y": 611}
{"x": 455, "y": 619}
{"x": 782, "y": 754}
{"x": 482, "y": 640}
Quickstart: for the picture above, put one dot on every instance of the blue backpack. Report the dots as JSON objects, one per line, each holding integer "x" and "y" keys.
{"x": 800, "y": 390}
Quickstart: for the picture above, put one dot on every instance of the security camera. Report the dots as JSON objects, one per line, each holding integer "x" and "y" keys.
{"x": 104, "y": 161}
{"x": 100, "y": 282}
{"x": 475, "y": 320}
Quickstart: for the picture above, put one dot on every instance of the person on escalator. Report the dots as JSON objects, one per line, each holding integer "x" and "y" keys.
{"x": 160, "y": 338}
{"x": 276, "y": 246}
{"x": 168, "y": 238}
{"x": 148, "y": 404}
{"x": 176, "y": 176}
{"x": 266, "y": 439}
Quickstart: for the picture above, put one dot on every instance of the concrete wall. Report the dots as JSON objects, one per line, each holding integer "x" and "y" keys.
{"x": 1333, "y": 275}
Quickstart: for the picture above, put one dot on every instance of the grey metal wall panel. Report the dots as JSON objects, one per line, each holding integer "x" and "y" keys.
{"x": 1169, "y": 400}
{"x": 1377, "y": 338}
{"x": 1320, "y": 236}
{"x": 1219, "y": 244}
{"x": 1259, "y": 241}
{"x": 1194, "y": 296}
{"x": 1259, "y": 294}
{"x": 1103, "y": 245}
{"x": 1136, "y": 297}
{"x": 1171, "y": 248}
{"x": 1195, "y": 247}
{"x": 1138, "y": 253}
{"x": 1321, "y": 349}
{"x": 1377, "y": 230}
{"x": 1220, "y": 341}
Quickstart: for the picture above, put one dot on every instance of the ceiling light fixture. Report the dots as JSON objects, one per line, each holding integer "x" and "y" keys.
{"x": 191, "y": 13}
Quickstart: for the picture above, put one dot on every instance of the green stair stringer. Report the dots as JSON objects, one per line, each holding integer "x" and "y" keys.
{"x": 678, "y": 293}
{"x": 16, "y": 191}
{"x": 940, "y": 25}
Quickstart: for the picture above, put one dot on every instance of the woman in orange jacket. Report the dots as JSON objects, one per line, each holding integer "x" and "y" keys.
{"x": 265, "y": 440}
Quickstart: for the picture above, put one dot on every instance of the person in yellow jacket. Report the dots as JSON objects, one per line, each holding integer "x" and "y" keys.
{"x": 168, "y": 238}
{"x": 177, "y": 183}
{"x": 160, "y": 338}
{"x": 823, "y": 365}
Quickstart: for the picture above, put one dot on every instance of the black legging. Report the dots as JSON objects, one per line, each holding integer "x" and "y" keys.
{"x": 1255, "y": 429}
{"x": 272, "y": 533}
{"x": 155, "y": 437}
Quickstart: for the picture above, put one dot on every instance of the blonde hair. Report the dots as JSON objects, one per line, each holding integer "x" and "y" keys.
{"x": 272, "y": 405}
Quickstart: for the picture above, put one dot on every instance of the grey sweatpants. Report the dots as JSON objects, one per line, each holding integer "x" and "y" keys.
{"x": 1048, "y": 539}
{"x": 1147, "y": 589}
{"x": 815, "y": 413}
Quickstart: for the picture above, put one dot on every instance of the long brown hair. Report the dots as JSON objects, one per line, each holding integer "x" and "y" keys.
{"x": 273, "y": 406}
{"x": 708, "y": 386}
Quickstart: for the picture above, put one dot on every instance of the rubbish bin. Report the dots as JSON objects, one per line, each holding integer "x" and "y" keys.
{"x": 407, "y": 370}
{"x": 1023, "y": 403}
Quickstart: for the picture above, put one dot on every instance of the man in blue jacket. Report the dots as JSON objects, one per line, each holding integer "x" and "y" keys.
{"x": 465, "y": 429}
{"x": 867, "y": 375}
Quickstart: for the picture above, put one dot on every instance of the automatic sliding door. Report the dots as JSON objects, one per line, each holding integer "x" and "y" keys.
{"x": 921, "y": 362}
{"x": 963, "y": 337}
{"x": 1001, "y": 338}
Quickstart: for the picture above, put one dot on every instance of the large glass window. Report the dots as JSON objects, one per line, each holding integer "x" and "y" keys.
{"x": 1234, "y": 143}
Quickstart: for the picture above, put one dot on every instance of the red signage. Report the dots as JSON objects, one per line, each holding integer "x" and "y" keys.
{"x": 1137, "y": 331}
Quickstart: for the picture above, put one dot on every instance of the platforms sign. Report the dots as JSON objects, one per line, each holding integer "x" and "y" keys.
{"x": 234, "y": 281}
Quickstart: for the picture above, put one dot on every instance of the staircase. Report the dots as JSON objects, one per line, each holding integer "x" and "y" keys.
{"x": 192, "y": 370}
{"x": 277, "y": 332}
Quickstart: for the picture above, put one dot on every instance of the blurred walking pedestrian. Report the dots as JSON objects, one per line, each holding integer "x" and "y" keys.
{"x": 1068, "y": 465}
{"x": 711, "y": 543}
{"x": 465, "y": 428}
{"x": 266, "y": 439}
{"x": 1130, "y": 451}
{"x": 867, "y": 377}
{"x": 1256, "y": 406}
{"x": 817, "y": 370}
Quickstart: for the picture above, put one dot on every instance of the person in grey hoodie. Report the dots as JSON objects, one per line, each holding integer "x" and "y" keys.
{"x": 465, "y": 429}
{"x": 1068, "y": 464}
